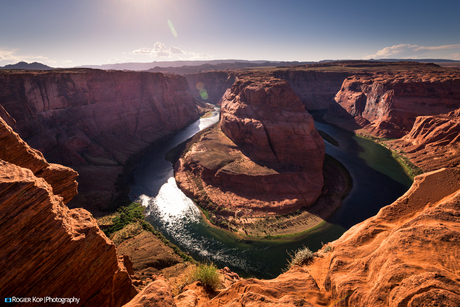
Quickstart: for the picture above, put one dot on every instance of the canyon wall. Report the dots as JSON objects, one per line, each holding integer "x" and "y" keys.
{"x": 45, "y": 248}
{"x": 386, "y": 104}
{"x": 433, "y": 142}
{"x": 316, "y": 89}
{"x": 406, "y": 255}
{"x": 210, "y": 86}
{"x": 264, "y": 157}
{"x": 94, "y": 120}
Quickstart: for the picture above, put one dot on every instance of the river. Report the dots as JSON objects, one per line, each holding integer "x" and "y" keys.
{"x": 378, "y": 180}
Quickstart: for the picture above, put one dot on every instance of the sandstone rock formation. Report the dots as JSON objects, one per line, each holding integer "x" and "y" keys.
{"x": 156, "y": 294}
{"x": 45, "y": 248}
{"x": 386, "y": 104}
{"x": 95, "y": 120}
{"x": 265, "y": 156}
{"x": 210, "y": 86}
{"x": 433, "y": 142}
{"x": 270, "y": 124}
{"x": 15, "y": 151}
{"x": 407, "y": 255}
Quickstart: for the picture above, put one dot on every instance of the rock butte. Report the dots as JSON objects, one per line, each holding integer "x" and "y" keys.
{"x": 45, "y": 247}
{"x": 264, "y": 157}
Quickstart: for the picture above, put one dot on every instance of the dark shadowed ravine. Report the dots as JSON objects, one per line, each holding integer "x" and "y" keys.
{"x": 378, "y": 180}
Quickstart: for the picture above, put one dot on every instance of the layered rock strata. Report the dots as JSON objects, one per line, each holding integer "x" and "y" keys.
{"x": 265, "y": 155}
{"x": 406, "y": 255}
{"x": 95, "y": 120}
{"x": 316, "y": 89}
{"x": 433, "y": 142}
{"x": 45, "y": 248}
{"x": 387, "y": 104}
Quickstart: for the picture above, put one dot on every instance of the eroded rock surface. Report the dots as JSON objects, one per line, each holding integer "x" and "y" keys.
{"x": 95, "y": 120}
{"x": 265, "y": 156}
{"x": 46, "y": 249}
{"x": 406, "y": 255}
{"x": 433, "y": 142}
{"x": 386, "y": 104}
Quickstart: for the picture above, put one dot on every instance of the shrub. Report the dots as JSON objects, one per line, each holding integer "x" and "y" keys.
{"x": 301, "y": 256}
{"x": 208, "y": 275}
{"x": 125, "y": 215}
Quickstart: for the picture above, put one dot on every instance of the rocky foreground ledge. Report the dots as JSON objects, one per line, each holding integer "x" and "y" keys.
{"x": 46, "y": 249}
{"x": 406, "y": 255}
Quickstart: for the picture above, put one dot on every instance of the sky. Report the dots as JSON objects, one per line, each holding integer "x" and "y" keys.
{"x": 69, "y": 33}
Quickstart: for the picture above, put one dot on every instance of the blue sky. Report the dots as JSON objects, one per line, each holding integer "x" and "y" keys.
{"x": 66, "y": 33}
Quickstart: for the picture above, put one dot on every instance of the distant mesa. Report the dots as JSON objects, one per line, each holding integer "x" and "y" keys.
{"x": 28, "y": 66}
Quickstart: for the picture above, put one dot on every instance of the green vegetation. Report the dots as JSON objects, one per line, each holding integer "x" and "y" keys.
{"x": 130, "y": 221}
{"x": 126, "y": 215}
{"x": 410, "y": 169}
{"x": 208, "y": 275}
{"x": 300, "y": 256}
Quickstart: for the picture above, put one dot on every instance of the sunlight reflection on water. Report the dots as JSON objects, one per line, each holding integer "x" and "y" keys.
{"x": 171, "y": 203}
{"x": 181, "y": 222}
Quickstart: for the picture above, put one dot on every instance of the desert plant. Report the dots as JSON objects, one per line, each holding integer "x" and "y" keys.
{"x": 300, "y": 256}
{"x": 208, "y": 275}
{"x": 125, "y": 215}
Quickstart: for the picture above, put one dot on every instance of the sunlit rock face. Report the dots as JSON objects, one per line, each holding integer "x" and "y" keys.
{"x": 95, "y": 120}
{"x": 46, "y": 249}
{"x": 433, "y": 142}
{"x": 406, "y": 255}
{"x": 386, "y": 104}
{"x": 267, "y": 120}
{"x": 265, "y": 155}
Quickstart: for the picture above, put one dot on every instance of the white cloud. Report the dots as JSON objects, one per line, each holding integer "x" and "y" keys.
{"x": 413, "y": 51}
{"x": 176, "y": 50}
{"x": 143, "y": 51}
{"x": 159, "y": 50}
{"x": 199, "y": 56}
{"x": 455, "y": 56}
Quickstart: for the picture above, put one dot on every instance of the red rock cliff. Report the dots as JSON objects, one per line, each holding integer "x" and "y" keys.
{"x": 316, "y": 89}
{"x": 268, "y": 121}
{"x": 265, "y": 156}
{"x": 45, "y": 248}
{"x": 388, "y": 103}
{"x": 433, "y": 142}
{"x": 95, "y": 120}
{"x": 406, "y": 255}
